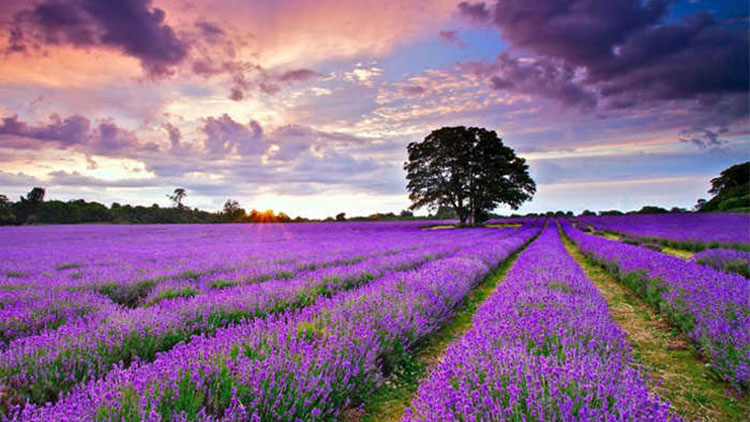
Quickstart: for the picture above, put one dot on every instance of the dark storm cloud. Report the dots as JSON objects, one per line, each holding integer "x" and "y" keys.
{"x": 582, "y": 31}
{"x": 132, "y": 26}
{"x": 625, "y": 50}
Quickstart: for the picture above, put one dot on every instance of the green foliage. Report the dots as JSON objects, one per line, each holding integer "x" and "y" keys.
{"x": 219, "y": 284}
{"x": 129, "y": 295}
{"x": 611, "y": 212}
{"x": 731, "y": 190}
{"x": 7, "y": 216}
{"x": 62, "y": 267}
{"x": 736, "y": 176}
{"x": 651, "y": 209}
{"x": 172, "y": 293}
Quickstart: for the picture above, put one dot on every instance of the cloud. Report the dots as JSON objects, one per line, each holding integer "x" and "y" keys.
{"x": 298, "y": 75}
{"x": 131, "y": 26}
{"x": 70, "y": 131}
{"x": 703, "y": 138}
{"x": 478, "y": 12}
{"x": 225, "y": 136}
{"x": 175, "y": 135}
{"x": 623, "y": 49}
{"x": 451, "y": 37}
{"x": 543, "y": 77}
{"x": 210, "y": 31}
{"x": 77, "y": 132}
{"x": 74, "y": 178}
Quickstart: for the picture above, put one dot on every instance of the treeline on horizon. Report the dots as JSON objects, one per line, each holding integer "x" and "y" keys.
{"x": 730, "y": 190}
{"x": 34, "y": 209}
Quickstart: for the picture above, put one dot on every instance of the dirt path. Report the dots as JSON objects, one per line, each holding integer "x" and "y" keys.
{"x": 678, "y": 373}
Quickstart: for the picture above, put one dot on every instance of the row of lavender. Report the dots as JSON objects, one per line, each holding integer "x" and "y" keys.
{"x": 729, "y": 260}
{"x": 155, "y": 253}
{"x": 306, "y": 364}
{"x": 44, "y": 302}
{"x": 542, "y": 347}
{"x": 693, "y": 231}
{"x": 711, "y": 306}
{"x": 40, "y": 367}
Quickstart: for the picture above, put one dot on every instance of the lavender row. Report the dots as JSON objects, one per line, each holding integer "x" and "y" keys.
{"x": 542, "y": 347}
{"x": 124, "y": 272}
{"x": 302, "y": 365}
{"x": 48, "y": 304}
{"x": 40, "y": 367}
{"x": 28, "y": 311}
{"x": 50, "y": 309}
{"x": 725, "y": 259}
{"x": 711, "y": 306}
{"x": 689, "y": 231}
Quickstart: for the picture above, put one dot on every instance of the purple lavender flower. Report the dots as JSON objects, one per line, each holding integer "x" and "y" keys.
{"x": 690, "y": 231}
{"x": 542, "y": 347}
{"x": 711, "y": 306}
{"x": 725, "y": 259}
{"x": 314, "y": 360}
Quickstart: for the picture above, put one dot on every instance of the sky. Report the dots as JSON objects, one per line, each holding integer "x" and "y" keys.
{"x": 306, "y": 106}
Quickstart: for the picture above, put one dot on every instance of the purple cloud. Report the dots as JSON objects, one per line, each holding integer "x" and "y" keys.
{"x": 451, "y": 37}
{"x": 542, "y": 77}
{"x": 224, "y": 135}
{"x": 622, "y": 48}
{"x": 210, "y": 31}
{"x": 70, "y": 131}
{"x": 132, "y": 26}
{"x": 478, "y": 12}
{"x": 104, "y": 138}
{"x": 298, "y": 75}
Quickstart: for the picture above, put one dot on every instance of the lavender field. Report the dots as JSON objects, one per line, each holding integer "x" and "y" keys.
{"x": 308, "y": 322}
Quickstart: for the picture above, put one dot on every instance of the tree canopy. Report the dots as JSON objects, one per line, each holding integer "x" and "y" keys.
{"x": 737, "y": 175}
{"x": 467, "y": 169}
{"x": 731, "y": 190}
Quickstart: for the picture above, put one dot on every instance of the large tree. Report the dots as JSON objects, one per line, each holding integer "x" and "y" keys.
{"x": 467, "y": 169}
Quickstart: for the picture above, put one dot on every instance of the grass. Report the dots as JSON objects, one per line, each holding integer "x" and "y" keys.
{"x": 678, "y": 373}
{"x": 679, "y": 253}
{"x": 670, "y": 250}
{"x": 390, "y": 401}
{"x": 503, "y": 225}
{"x": 439, "y": 227}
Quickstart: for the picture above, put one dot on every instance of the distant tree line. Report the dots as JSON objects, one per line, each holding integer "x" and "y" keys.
{"x": 34, "y": 209}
